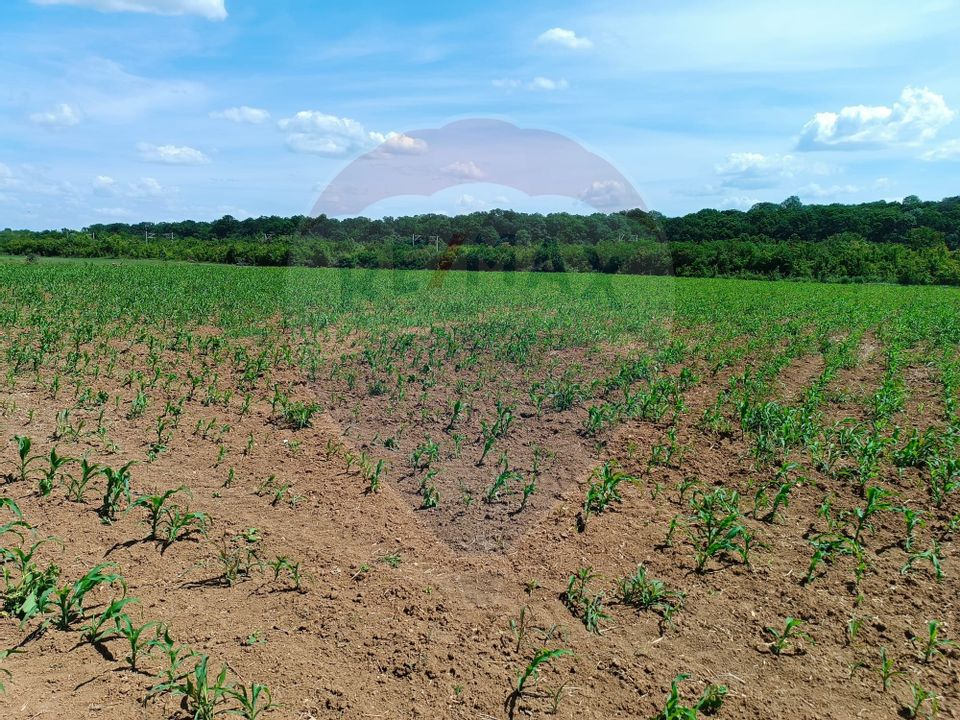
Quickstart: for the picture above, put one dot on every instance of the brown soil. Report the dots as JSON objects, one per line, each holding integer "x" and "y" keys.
{"x": 430, "y": 638}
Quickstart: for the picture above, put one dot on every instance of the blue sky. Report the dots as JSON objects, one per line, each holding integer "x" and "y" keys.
{"x": 128, "y": 110}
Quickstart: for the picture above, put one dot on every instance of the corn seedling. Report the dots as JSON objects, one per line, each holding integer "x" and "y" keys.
{"x": 531, "y": 673}
{"x": 887, "y": 670}
{"x": 117, "y": 490}
{"x": 49, "y": 476}
{"x": 709, "y": 703}
{"x": 932, "y": 643}
{"x": 645, "y": 593}
{"x": 24, "y": 443}
{"x": 68, "y": 600}
{"x": 790, "y": 634}
{"x": 588, "y": 608}
{"x": 204, "y": 696}
{"x": 921, "y": 699}
{"x": 253, "y": 702}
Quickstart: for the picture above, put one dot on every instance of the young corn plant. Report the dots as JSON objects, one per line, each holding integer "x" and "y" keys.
{"x": 68, "y": 600}
{"x": 204, "y": 696}
{"x": 603, "y": 490}
{"x": 645, "y": 593}
{"x": 581, "y": 603}
{"x": 48, "y": 479}
{"x": 716, "y": 527}
{"x": 887, "y": 670}
{"x": 138, "y": 638}
{"x": 932, "y": 644}
{"x": 77, "y": 485}
{"x": 709, "y": 703}
{"x": 923, "y": 703}
{"x": 117, "y": 490}
{"x": 24, "y": 443}
{"x": 791, "y": 634}
{"x": 253, "y": 702}
{"x": 530, "y": 674}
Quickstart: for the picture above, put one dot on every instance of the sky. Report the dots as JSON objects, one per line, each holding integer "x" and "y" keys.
{"x": 131, "y": 110}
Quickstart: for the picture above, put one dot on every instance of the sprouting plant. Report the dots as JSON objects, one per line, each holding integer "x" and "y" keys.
{"x": 782, "y": 638}
{"x": 393, "y": 560}
{"x": 156, "y": 505}
{"x": 709, "y": 703}
{"x": 876, "y": 502}
{"x": 49, "y": 476}
{"x": 254, "y": 701}
{"x": 137, "y": 637}
{"x": 603, "y": 489}
{"x": 588, "y": 607}
{"x": 528, "y": 489}
{"x": 117, "y": 489}
{"x": 239, "y": 557}
{"x": 887, "y": 670}
{"x": 500, "y": 485}
{"x": 519, "y": 627}
{"x": 716, "y": 527}
{"x": 424, "y": 455}
{"x": 4, "y": 654}
{"x": 299, "y": 415}
{"x": 77, "y": 485}
{"x": 203, "y": 695}
{"x": 932, "y": 643}
{"x": 24, "y": 443}
{"x": 69, "y": 599}
{"x": 431, "y": 496}
{"x": 282, "y": 564}
{"x": 181, "y": 523}
{"x": 531, "y": 673}
{"x": 921, "y": 697}
{"x": 934, "y": 556}
{"x": 645, "y": 593}
{"x": 372, "y": 475}
{"x": 913, "y": 519}
{"x": 107, "y": 624}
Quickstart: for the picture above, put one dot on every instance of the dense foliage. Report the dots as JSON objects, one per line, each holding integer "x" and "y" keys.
{"x": 911, "y": 242}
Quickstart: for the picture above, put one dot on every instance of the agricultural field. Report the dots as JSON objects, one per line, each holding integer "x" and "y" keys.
{"x": 317, "y": 493}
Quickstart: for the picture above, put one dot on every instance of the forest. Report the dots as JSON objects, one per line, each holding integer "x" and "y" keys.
{"x": 909, "y": 242}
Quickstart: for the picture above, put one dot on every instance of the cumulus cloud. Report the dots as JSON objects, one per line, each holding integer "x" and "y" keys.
{"x": 399, "y": 144}
{"x": 756, "y": 170}
{"x": 564, "y": 38}
{"x": 172, "y": 154}
{"x": 917, "y": 116}
{"x": 62, "y": 116}
{"x": 820, "y": 192}
{"x": 242, "y": 114}
{"x": 318, "y": 133}
{"x": 464, "y": 170}
{"x": 145, "y": 187}
{"x": 607, "y": 194}
{"x": 538, "y": 83}
{"x": 209, "y": 9}
{"x": 949, "y": 150}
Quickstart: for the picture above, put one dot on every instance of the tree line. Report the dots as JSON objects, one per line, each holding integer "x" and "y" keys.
{"x": 910, "y": 241}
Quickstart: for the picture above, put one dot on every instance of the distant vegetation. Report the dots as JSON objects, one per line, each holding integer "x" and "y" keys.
{"x": 910, "y": 242}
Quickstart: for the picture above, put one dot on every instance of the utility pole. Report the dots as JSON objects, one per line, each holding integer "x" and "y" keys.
{"x": 148, "y": 236}
{"x": 414, "y": 238}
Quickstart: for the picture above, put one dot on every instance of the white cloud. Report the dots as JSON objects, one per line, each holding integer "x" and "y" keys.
{"x": 950, "y": 150}
{"x": 538, "y": 83}
{"x": 738, "y": 202}
{"x": 145, "y": 187}
{"x": 209, "y": 9}
{"x": 607, "y": 194}
{"x": 815, "y": 190}
{"x": 172, "y": 154}
{"x": 317, "y": 133}
{"x": 917, "y": 116}
{"x": 400, "y": 144}
{"x": 242, "y": 114}
{"x": 104, "y": 186}
{"x": 564, "y": 38}
{"x": 62, "y": 116}
{"x": 755, "y": 170}
{"x": 467, "y": 170}
{"x": 114, "y": 212}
